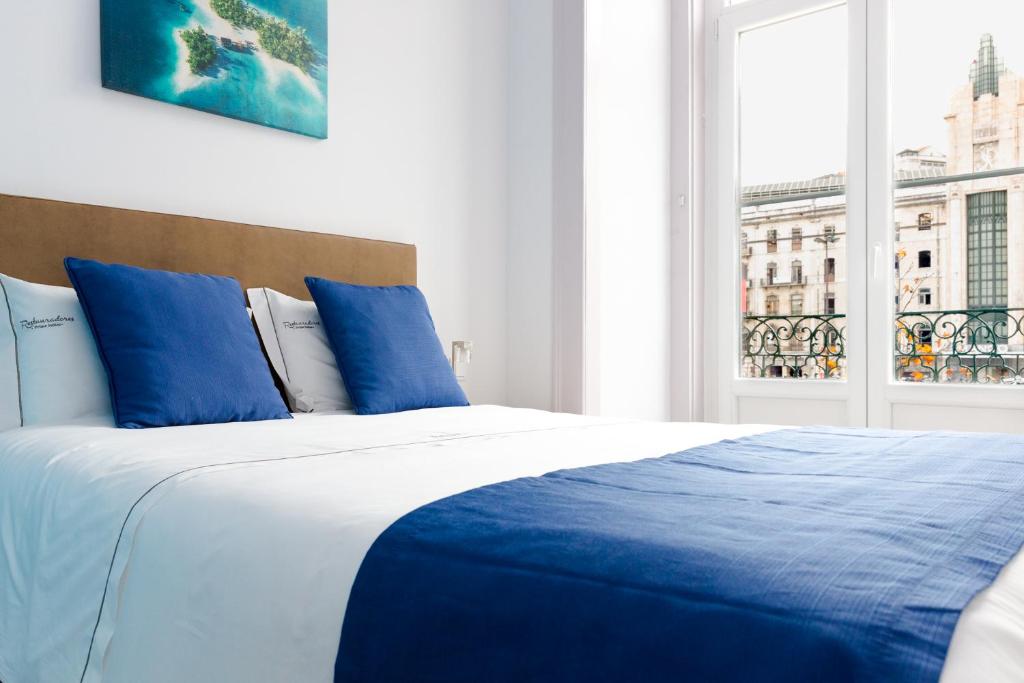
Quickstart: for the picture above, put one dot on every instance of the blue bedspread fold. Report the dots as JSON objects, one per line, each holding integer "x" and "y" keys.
{"x": 798, "y": 555}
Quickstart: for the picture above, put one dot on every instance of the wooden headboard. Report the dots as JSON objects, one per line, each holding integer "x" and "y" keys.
{"x": 36, "y": 235}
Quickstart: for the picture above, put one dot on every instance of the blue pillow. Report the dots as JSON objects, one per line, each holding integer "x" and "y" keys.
{"x": 386, "y": 346}
{"x": 178, "y": 349}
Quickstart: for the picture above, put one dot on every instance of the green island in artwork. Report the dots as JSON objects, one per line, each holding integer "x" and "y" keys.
{"x": 276, "y": 37}
{"x": 201, "y": 51}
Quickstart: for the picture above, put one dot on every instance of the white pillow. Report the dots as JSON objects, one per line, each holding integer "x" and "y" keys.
{"x": 299, "y": 351}
{"x": 50, "y": 370}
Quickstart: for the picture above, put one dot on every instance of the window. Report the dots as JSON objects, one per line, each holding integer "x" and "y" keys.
{"x": 986, "y": 250}
{"x": 771, "y": 305}
{"x": 790, "y": 199}
{"x": 986, "y": 69}
{"x": 929, "y": 170}
{"x": 986, "y": 265}
{"x": 773, "y": 272}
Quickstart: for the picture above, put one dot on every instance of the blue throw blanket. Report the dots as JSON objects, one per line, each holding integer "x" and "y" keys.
{"x": 798, "y": 555}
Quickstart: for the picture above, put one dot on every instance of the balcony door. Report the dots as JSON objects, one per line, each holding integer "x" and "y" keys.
{"x": 947, "y": 212}
{"x": 869, "y": 215}
{"x": 787, "y": 291}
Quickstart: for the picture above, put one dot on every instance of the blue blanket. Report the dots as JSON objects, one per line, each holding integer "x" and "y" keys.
{"x": 797, "y": 555}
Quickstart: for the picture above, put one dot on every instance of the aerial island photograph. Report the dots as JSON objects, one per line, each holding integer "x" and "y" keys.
{"x": 262, "y": 62}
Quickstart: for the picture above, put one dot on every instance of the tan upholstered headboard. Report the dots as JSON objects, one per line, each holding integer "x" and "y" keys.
{"x": 36, "y": 235}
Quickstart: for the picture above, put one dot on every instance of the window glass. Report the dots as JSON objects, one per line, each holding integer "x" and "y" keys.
{"x": 957, "y": 87}
{"x": 792, "y": 196}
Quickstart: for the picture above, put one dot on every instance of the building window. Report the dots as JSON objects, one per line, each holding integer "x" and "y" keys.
{"x": 773, "y": 272}
{"x": 830, "y": 304}
{"x": 986, "y": 69}
{"x": 986, "y": 250}
{"x": 796, "y": 303}
{"x": 797, "y": 239}
{"x": 924, "y": 296}
{"x": 986, "y": 260}
{"x": 924, "y": 259}
{"x": 830, "y": 269}
{"x": 773, "y": 241}
{"x": 924, "y": 221}
{"x": 830, "y": 232}
{"x": 771, "y": 305}
{"x": 743, "y": 244}
{"x": 797, "y": 272}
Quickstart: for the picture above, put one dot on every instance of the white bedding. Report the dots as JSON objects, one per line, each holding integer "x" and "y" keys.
{"x": 236, "y": 561}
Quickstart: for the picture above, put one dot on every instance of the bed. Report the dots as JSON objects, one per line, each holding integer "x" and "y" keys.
{"x": 280, "y": 550}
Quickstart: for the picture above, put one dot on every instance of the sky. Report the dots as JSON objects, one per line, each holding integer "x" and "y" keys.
{"x": 793, "y": 81}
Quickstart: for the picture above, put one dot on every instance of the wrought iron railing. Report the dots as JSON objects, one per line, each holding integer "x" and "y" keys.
{"x": 811, "y": 346}
{"x": 983, "y": 346}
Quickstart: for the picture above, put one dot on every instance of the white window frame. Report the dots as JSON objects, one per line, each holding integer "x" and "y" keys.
{"x": 870, "y": 390}
{"x": 723, "y": 385}
{"x": 885, "y": 394}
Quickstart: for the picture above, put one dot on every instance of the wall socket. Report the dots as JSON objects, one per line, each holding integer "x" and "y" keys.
{"x": 462, "y": 356}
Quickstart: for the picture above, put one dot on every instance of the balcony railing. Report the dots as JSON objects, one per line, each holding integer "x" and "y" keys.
{"x": 794, "y": 346}
{"x": 983, "y": 346}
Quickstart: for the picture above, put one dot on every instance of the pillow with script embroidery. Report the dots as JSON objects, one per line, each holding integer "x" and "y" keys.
{"x": 299, "y": 352}
{"x": 50, "y": 370}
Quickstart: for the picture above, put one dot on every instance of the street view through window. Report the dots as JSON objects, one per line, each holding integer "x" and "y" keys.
{"x": 958, "y": 202}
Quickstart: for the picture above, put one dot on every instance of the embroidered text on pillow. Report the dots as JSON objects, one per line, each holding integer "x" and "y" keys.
{"x": 42, "y": 323}
{"x": 294, "y": 339}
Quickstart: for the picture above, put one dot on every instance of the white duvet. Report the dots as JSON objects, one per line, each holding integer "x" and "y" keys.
{"x": 226, "y": 552}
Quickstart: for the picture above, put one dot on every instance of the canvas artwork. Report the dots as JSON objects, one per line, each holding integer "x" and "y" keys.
{"x": 264, "y": 61}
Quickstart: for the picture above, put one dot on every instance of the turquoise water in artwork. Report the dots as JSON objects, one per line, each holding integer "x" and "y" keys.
{"x": 143, "y": 54}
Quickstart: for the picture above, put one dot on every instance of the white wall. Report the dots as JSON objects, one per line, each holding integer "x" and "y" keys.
{"x": 589, "y": 184}
{"x": 418, "y": 148}
{"x": 530, "y": 204}
{"x": 627, "y": 207}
